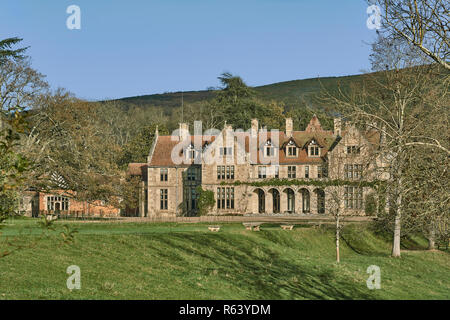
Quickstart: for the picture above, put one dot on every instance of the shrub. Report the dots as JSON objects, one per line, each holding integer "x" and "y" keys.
{"x": 205, "y": 200}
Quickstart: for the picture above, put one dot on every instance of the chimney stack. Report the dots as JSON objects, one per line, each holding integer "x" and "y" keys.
{"x": 254, "y": 129}
{"x": 184, "y": 131}
{"x": 289, "y": 127}
{"x": 337, "y": 126}
{"x": 227, "y": 127}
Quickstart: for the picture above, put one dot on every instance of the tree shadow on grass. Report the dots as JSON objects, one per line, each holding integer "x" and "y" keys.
{"x": 258, "y": 272}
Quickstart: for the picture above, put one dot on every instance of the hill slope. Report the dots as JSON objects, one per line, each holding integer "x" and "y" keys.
{"x": 186, "y": 261}
{"x": 289, "y": 92}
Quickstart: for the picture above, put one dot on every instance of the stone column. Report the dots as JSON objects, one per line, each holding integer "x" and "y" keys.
{"x": 313, "y": 201}
{"x": 327, "y": 201}
{"x": 269, "y": 202}
{"x": 298, "y": 202}
{"x": 283, "y": 202}
{"x": 254, "y": 203}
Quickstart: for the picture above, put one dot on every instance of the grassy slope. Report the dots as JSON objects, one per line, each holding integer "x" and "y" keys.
{"x": 289, "y": 92}
{"x": 185, "y": 261}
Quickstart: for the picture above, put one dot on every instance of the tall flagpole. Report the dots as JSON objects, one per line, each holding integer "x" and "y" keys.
{"x": 182, "y": 108}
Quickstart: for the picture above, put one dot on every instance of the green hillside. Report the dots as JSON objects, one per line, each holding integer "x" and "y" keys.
{"x": 186, "y": 261}
{"x": 290, "y": 92}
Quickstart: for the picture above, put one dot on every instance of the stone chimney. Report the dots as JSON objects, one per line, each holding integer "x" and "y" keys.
{"x": 227, "y": 127}
{"x": 227, "y": 132}
{"x": 184, "y": 131}
{"x": 289, "y": 127}
{"x": 337, "y": 126}
{"x": 254, "y": 129}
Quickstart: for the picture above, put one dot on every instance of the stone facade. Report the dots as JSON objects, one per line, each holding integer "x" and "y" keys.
{"x": 246, "y": 162}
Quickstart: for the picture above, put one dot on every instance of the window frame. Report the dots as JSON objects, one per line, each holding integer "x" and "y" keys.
{"x": 353, "y": 149}
{"x": 226, "y": 151}
{"x": 276, "y": 173}
{"x": 313, "y": 151}
{"x": 354, "y": 198}
{"x": 291, "y": 151}
{"x": 292, "y": 172}
{"x": 191, "y": 153}
{"x": 225, "y": 172}
{"x": 270, "y": 151}
{"x": 225, "y": 198}
{"x": 353, "y": 171}
{"x": 62, "y": 200}
{"x": 322, "y": 171}
{"x": 262, "y": 172}
{"x": 163, "y": 174}
{"x": 164, "y": 199}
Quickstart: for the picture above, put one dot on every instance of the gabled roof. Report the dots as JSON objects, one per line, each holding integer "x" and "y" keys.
{"x": 316, "y": 141}
{"x": 162, "y": 154}
{"x": 290, "y": 140}
{"x": 268, "y": 142}
{"x": 163, "y": 149}
{"x": 372, "y": 136}
{"x": 314, "y": 125}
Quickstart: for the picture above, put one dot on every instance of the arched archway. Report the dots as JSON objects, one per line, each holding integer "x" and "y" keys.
{"x": 290, "y": 200}
{"x": 306, "y": 208}
{"x": 320, "y": 193}
{"x": 261, "y": 196}
{"x": 276, "y": 200}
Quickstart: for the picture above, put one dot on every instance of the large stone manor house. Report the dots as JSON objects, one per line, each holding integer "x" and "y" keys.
{"x": 241, "y": 175}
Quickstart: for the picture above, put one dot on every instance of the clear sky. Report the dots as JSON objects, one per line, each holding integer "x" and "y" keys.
{"x": 135, "y": 47}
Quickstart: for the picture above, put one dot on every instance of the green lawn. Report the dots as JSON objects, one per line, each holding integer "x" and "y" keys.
{"x": 186, "y": 261}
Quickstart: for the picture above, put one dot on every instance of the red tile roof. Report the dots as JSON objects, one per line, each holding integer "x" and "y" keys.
{"x": 164, "y": 145}
{"x": 162, "y": 153}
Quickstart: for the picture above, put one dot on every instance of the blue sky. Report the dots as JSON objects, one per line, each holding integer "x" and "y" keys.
{"x": 136, "y": 47}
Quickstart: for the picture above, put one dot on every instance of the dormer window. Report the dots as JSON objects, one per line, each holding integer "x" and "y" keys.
{"x": 269, "y": 149}
{"x": 291, "y": 149}
{"x": 190, "y": 152}
{"x": 226, "y": 151}
{"x": 313, "y": 149}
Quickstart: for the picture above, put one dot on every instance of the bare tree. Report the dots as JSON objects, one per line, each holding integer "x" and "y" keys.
{"x": 428, "y": 202}
{"x": 83, "y": 153}
{"x": 335, "y": 208}
{"x": 351, "y": 166}
{"x": 20, "y": 86}
{"x": 422, "y": 23}
{"x": 403, "y": 106}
